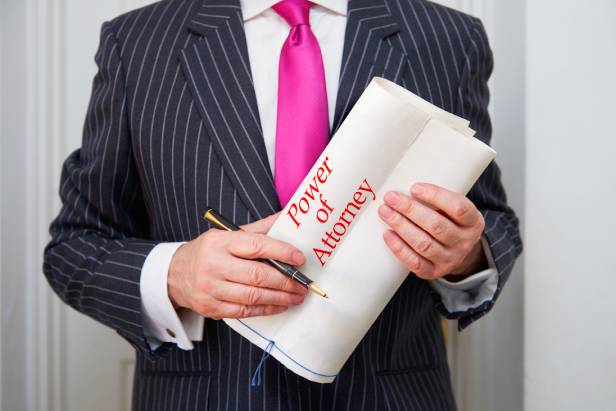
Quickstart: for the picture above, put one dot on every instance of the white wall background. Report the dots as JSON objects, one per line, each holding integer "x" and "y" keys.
{"x": 570, "y": 206}
{"x": 549, "y": 54}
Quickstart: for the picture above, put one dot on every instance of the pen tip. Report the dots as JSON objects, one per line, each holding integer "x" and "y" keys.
{"x": 316, "y": 289}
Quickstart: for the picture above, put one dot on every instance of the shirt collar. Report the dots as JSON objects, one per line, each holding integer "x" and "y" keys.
{"x": 252, "y": 8}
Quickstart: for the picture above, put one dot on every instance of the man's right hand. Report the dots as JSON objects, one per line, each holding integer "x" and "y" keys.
{"x": 217, "y": 276}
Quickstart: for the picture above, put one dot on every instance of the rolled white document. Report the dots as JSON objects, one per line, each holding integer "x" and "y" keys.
{"x": 390, "y": 140}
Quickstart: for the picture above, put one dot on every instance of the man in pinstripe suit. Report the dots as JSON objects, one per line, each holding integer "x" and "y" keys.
{"x": 182, "y": 116}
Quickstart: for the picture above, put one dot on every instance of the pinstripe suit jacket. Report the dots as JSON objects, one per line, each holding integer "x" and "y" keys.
{"x": 173, "y": 126}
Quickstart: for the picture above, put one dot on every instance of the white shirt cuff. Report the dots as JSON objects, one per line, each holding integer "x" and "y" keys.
{"x": 161, "y": 322}
{"x": 472, "y": 291}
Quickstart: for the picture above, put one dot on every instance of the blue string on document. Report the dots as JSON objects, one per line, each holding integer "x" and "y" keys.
{"x": 256, "y": 378}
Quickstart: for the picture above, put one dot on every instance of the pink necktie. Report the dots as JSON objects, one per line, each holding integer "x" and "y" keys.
{"x": 302, "y": 125}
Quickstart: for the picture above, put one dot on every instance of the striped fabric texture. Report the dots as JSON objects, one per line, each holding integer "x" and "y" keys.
{"x": 173, "y": 126}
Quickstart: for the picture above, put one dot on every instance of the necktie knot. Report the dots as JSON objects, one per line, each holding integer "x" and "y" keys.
{"x": 295, "y": 12}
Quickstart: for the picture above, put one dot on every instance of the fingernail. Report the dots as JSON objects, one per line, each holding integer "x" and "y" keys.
{"x": 386, "y": 211}
{"x": 392, "y": 198}
{"x": 417, "y": 189}
{"x": 298, "y": 257}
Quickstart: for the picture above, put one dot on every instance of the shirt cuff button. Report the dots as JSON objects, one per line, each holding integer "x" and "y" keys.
{"x": 171, "y": 333}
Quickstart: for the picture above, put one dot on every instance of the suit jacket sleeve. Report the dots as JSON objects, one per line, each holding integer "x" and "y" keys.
{"x": 501, "y": 229}
{"x": 98, "y": 241}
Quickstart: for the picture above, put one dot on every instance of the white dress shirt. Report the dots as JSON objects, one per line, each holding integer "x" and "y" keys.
{"x": 266, "y": 31}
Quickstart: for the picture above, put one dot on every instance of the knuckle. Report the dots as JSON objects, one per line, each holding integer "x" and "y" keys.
{"x": 424, "y": 245}
{"x": 437, "y": 227}
{"x": 243, "y": 311}
{"x": 408, "y": 206}
{"x": 396, "y": 216}
{"x": 461, "y": 208}
{"x": 397, "y": 246}
{"x": 287, "y": 283}
{"x": 394, "y": 219}
{"x": 256, "y": 245}
{"x": 254, "y": 296}
{"x": 256, "y": 275}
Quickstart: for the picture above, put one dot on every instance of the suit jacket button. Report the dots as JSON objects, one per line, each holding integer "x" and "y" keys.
{"x": 171, "y": 333}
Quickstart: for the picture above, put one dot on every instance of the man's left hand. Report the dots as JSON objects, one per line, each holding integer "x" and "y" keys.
{"x": 434, "y": 232}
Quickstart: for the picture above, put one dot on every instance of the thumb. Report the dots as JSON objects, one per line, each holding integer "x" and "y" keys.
{"x": 261, "y": 226}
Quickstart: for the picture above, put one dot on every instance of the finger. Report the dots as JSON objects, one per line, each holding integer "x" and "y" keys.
{"x": 261, "y": 226}
{"x": 260, "y": 274}
{"x": 436, "y": 224}
{"x": 411, "y": 260}
{"x": 252, "y": 246}
{"x": 233, "y": 310}
{"x": 420, "y": 241}
{"x": 251, "y": 295}
{"x": 459, "y": 208}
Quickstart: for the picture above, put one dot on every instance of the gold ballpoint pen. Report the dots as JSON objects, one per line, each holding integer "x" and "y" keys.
{"x": 222, "y": 223}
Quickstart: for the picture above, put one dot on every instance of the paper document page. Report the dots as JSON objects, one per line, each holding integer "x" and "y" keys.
{"x": 390, "y": 139}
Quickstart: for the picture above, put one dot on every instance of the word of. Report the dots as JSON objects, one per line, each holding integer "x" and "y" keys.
{"x": 331, "y": 238}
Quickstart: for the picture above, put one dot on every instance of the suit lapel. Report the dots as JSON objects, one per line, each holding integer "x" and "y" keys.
{"x": 367, "y": 53}
{"x": 217, "y": 69}
{"x": 218, "y": 73}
